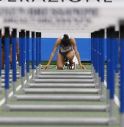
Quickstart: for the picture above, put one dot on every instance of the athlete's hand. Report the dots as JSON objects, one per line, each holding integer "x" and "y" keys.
{"x": 82, "y": 67}
{"x": 46, "y": 67}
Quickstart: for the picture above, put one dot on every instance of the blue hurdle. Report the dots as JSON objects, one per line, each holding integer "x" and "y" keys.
{"x": 111, "y": 68}
{"x": 0, "y": 57}
{"x": 116, "y": 57}
{"x": 33, "y": 53}
{"x": 7, "y": 61}
{"x": 97, "y": 57}
{"x": 98, "y": 62}
{"x": 27, "y": 56}
{"x": 37, "y": 53}
{"x": 14, "y": 68}
{"x": 121, "y": 29}
{"x": 22, "y": 41}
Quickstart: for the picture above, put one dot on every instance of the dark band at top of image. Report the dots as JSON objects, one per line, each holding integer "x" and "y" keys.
{"x": 54, "y": 1}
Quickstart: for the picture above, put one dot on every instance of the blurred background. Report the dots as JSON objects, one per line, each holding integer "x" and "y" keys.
{"x": 54, "y": 19}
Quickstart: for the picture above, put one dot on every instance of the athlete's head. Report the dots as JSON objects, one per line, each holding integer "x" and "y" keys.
{"x": 65, "y": 40}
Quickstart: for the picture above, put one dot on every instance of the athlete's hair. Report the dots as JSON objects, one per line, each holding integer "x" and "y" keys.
{"x": 65, "y": 40}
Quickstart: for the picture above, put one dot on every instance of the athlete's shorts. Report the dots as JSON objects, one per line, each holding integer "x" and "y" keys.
{"x": 64, "y": 54}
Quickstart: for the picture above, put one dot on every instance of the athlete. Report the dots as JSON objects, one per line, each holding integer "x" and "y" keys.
{"x": 67, "y": 50}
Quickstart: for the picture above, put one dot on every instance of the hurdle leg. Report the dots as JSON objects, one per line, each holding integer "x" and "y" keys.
{"x": 7, "y": 44}
{"x": 111, "y": 111}
{"x": 6, "y": 96}
{"x": 33, "y": 61}
{"x": 0, "y": 84}
{"x": 0, "y": 59}
{"x": 121, "y": 120}
{"x": 121, "y": 29}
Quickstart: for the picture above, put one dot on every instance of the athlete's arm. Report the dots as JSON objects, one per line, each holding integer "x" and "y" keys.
{"x": 53, "y": 52}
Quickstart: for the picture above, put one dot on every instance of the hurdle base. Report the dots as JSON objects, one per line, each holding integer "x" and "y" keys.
{"x": 112, "y": 121}
{"x": 57, "y": 98}
{"x": 59, "y": 108}
{"x": 117, "y": 79}
{"x": 0, "y": 85}
{"x": 53, "y": 121}
{"x": 101, "y": 90}
{"x": 96, "y": 80}
{"x": 107, "y": 96}
{"x": 14, "y": 87}
{"x": 102, "y": 97}
{"x": 60, "y": 91}
{"x": 22, "y": 82}
{"x": 122, "y": 120}
{"x": 27, "y": 80}
{"x": 5, "y": 107}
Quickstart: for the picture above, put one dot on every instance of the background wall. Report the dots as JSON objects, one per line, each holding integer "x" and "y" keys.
{"x": 83, "y": 45}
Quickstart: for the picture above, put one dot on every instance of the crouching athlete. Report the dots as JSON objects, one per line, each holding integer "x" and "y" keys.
{"x": 67, "y": 50}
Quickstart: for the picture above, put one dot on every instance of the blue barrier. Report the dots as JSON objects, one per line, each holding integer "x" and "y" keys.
{"x": 0, "y": 52}
{"x": 14, "y": 43}
{"x": 102, "y": 56}
{"x": 7, "y": 54}
{"x": 112, "y": 72}
{"x": 98, "y": 57}
{"x": 122, "y": 68}
{"x": 22, "y": 52}
{"x": 37, "y": 49}
{"x": 33, "y": 51}
{"x": 116, "y": 50}
{"x": 39, "y": 59}
{"x": 27, "y": 51}
{"x": 111, "y": 61}
{"x": 108, "y": 57}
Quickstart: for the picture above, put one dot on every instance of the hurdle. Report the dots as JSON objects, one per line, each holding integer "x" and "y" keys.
{"x": 65, "y": 73}
{"x": 14, "y": 36}
{"x": 22, "y": 55}
{"x": 112, "y": 64}
{"x": 7, "y": 43}
{"x": 97, "y": 58}
{"x": 94, "y": 55}
{"x": 53, "y": 121}
{"x": 27, "y": 56}
{"x": 0, "y": 59}
{"x": 37, "y": 53}
{"x": 64, "y": 76}
{"x": 61, "y": 85}
{"x": 59, "y": 108}
{"x": 33, "y": 54}
{"x": 13, "y": 74}
{"x": 53, "y": 97}
{"x": 121, "y": 29}
{"x": 61, "y": 91}
{"x": 116, "y": 50}
{"x": 111, "y": 37}
{"x": 61, "y": 80}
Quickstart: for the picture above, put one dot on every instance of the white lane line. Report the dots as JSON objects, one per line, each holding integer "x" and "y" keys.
{"x": 116, "y": 99}
{"x": 11, "y": 93}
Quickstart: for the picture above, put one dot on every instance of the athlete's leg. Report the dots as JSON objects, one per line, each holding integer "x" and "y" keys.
{"x": 60, "y": 62}
{"x": 70, "y": 56}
